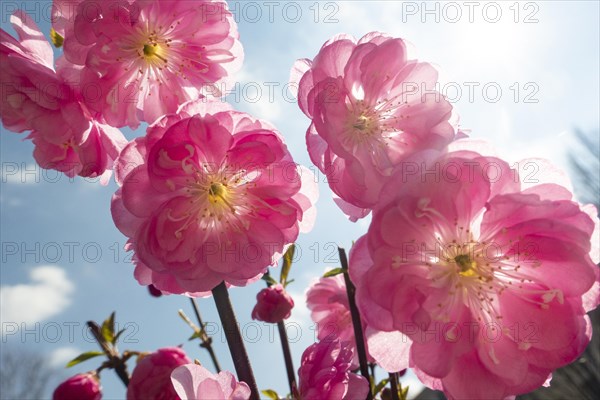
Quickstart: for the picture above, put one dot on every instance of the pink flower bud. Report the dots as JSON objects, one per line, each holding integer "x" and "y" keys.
{"x": 154, "y": 292}
{"x": 79, "y": 387}
{"x": 274, "y": 304}
{"x": 151, "y": 378}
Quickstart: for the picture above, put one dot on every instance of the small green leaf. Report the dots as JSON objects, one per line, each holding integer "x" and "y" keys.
{"x": 379, "y": 387}
{"x": 269, "y": 279}
{"x": 288, "y": 282}
{"x": 333, "y": 272}
{"x": 195, "y": 335}
{"x": 108, "y": 329}
{"x": 271, "y": 394}
{"x": 118, "y": 335}
{"x": 83, "y": 357}
{"x": 287, "y": 264}
{"x": 57, "y": 39}
{"x": 404, "y": 394}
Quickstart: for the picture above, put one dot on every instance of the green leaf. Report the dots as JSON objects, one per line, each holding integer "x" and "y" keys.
{"x": 108, "y": 329}
{"x": 404, "y": 394}
{"x": 195, "y": 335}
{"x": 271, "y": 394}
{"x": 269, "y": 279}
{"x": 57, "y": 39}
{"x": 288, "y": 282}
{"x": 83, "y": 357}
{"x": 333, "y": 272}
{"x": 287, "y": 264}
{"x": 118, "y": 335}
{"x": 379, "y": 387}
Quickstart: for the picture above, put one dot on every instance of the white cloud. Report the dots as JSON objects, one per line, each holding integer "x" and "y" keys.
{"x": 48, "y": 294}
{"x": 60, "y": 357}
{"x": 262, "y": 107}
{"x": 300, "y": 313}
{"x": 254, "y": 93}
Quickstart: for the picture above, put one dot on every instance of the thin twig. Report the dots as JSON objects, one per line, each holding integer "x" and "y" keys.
{"x": 206, "y": 340}
{"x": 358, "y": 332}
{"x": 234, "y": 339}
{"x": 394, "y": 385}
{"x": 287, "y": 354}
{"x": 113, "y": 355}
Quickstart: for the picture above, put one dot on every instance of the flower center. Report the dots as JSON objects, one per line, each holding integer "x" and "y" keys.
{"x": 150, "y": 50}
{"x": 467, "y": 261}
{"x": 154, "y": 52}
{"x": 364, "y": 122}
{"x": 217, "y": 192}
{"x": 68, "y": 144}
{"x": 466, "y": 265}
{"x": 476, "y": 270}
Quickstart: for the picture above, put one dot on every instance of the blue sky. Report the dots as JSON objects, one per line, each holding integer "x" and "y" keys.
{"x": 522, "y": 78}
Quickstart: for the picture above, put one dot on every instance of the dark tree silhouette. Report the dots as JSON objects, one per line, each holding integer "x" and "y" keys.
{"x": 23, "y": 374}
{"x": 585, "y": 166}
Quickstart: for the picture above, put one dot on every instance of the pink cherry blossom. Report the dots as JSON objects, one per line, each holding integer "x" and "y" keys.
{"x": 79, "y": 387}
{"x": 27, "y": 67}
{"x": 63, "y": 14}
{"x": 489, "y": 278}
{"x": 325, "y": 373}
{"x": 210, "y": 195}
{"x": 67, "y": 136}
{"x": 149, "y": 57}
{"x": 273, "y": 304}
{"x": 194, "y": 382}
{"x": 151, "y": 378}
{"x": 327, "y": 300}
{"x": 370, "y": 107}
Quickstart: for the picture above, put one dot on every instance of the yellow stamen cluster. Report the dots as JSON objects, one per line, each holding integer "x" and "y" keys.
{"x": 219, "y": 195}
{"x": 364, "y": 122}
{"x": 467, "y": 266}
{"x": 153, "y": 51}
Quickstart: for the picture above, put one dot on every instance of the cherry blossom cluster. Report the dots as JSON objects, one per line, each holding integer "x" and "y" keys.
{"x": 477, "y": 280}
